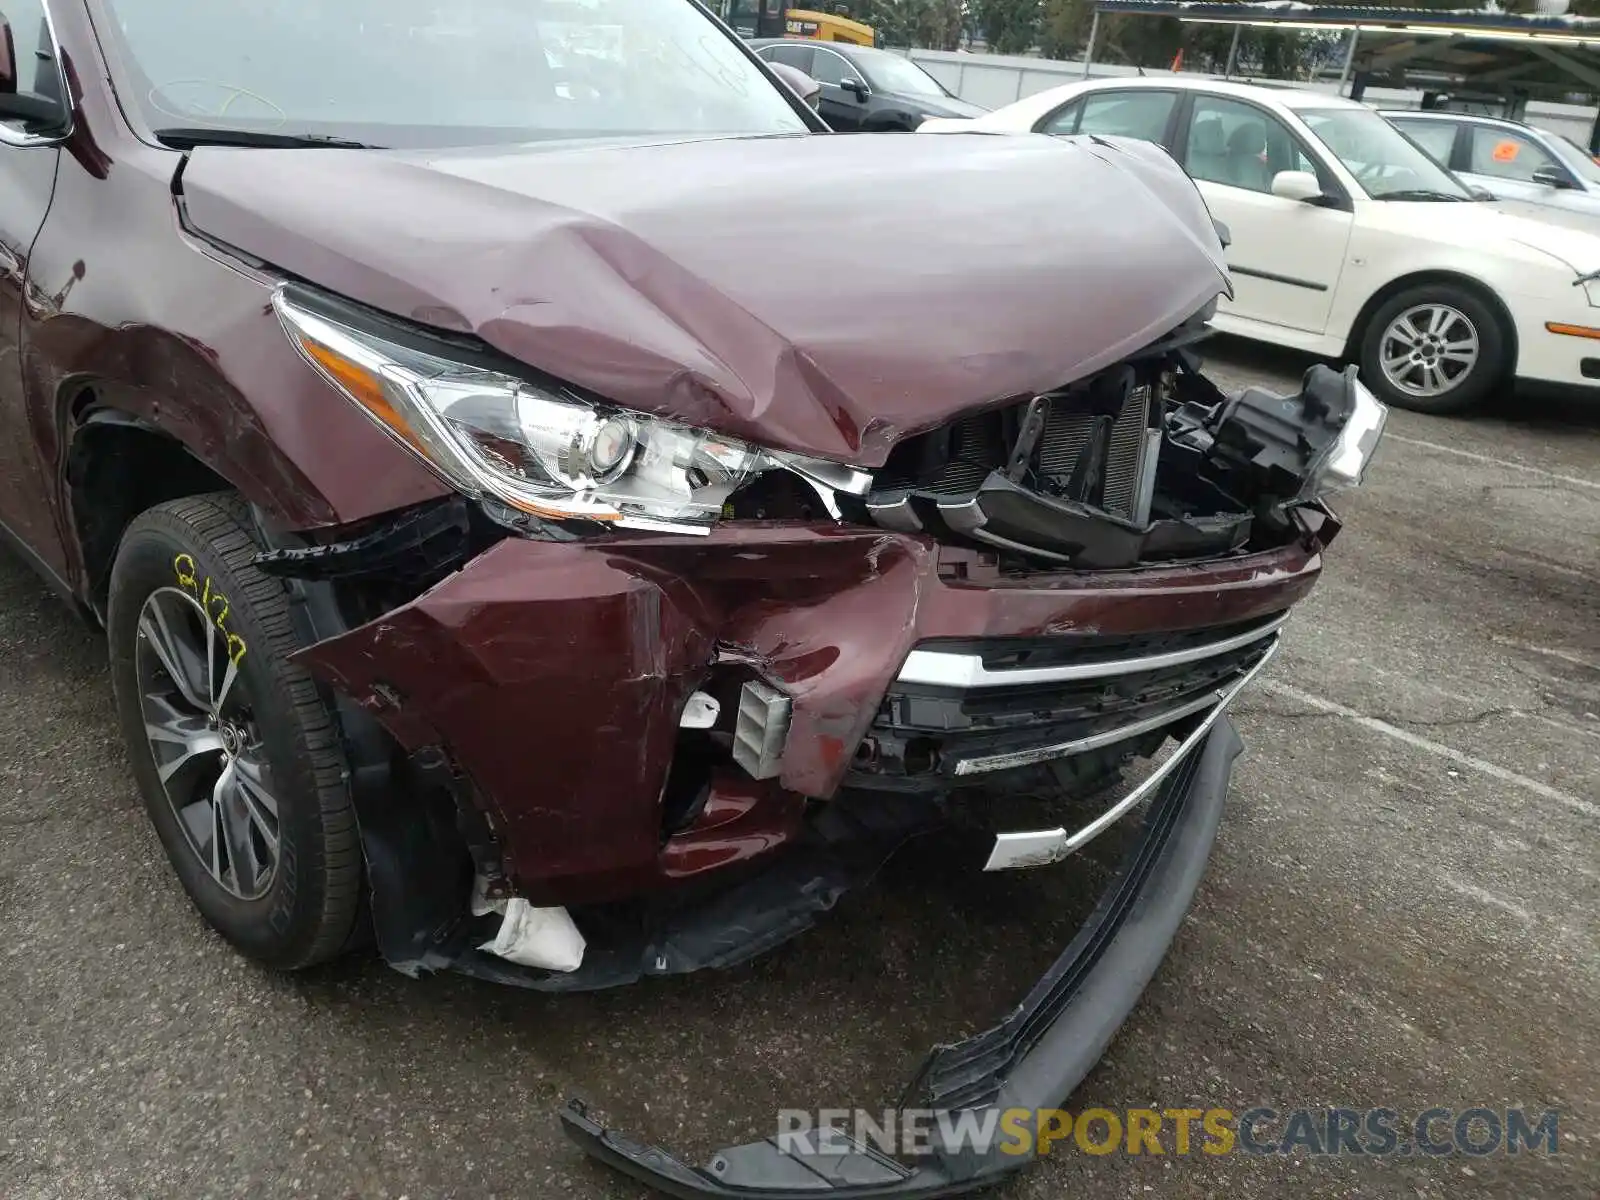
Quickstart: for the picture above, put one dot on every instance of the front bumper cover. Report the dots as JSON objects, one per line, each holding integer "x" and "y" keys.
{"x": 554, "y": 675}
{"x": 1033, "y": 1059}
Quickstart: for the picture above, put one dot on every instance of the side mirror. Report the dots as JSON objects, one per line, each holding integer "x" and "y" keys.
{"x": 1551, "y": 177}
{"x": 41, "y": 112}
{"x": 8, "y": 59}
{"x": 1296, "y": 185}
{"x": 855, "y": 87}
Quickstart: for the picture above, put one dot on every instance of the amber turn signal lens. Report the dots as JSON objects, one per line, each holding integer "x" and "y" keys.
{"x": 363, "y": 386}
{"x": 1583, "y": 331}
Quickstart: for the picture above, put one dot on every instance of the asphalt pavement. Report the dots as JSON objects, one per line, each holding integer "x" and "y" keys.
{"x": 1403, "y": 911}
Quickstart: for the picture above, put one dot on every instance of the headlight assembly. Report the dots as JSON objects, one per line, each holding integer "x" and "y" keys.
{"x": 1289, "y": 449}
{"x": 542, "y": 450}
{"x": 1343, "y": 465}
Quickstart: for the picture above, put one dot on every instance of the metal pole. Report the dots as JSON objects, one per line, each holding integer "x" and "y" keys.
{"x": 1088, "y": 51}
{"x": 1233, "y": 52}
{"x": 1349, "y": 59}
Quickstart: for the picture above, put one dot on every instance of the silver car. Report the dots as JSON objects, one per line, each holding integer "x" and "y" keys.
{"x": 1513, "y": 161}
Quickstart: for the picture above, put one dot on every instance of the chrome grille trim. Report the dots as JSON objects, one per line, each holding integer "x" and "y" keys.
{"x": 1037, "y": 848}
{"x": 1109, "y": 737}
{"x": 939, "y": 668}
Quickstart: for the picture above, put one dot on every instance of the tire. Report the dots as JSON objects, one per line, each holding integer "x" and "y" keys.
{"x": 1453, "y": 322}
{"x": 284, "y": 881}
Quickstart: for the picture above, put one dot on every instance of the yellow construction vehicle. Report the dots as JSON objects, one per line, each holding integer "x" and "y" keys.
{"x": 770, "y": 18}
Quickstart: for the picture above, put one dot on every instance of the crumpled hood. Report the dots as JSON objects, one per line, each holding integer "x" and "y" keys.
{"x": 828, "y": 295}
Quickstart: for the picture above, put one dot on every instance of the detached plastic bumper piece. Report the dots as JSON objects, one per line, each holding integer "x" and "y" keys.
{"x": 1033, "y": 1059}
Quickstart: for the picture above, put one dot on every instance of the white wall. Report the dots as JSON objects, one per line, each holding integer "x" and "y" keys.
{"x": 995, "y": 80}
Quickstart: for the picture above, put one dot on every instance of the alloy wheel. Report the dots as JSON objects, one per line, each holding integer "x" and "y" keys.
{"x": 203, "y": 739}
{"x": 1428, "y": 350}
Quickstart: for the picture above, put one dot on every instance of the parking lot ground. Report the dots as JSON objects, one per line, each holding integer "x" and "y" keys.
{"x": 1403, "y": 911}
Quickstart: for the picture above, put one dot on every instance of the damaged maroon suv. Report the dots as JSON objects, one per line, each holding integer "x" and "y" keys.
{"x": 561, "y": 514}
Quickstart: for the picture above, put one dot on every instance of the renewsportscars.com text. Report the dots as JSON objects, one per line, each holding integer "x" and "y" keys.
{"x": 1382, "y": 1132}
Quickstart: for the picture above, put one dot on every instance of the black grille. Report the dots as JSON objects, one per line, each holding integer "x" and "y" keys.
{"x": 1111, "y": 700}
{"x": 1039, "y": 711}
{"x": 926, "y": 730}
{"x": 955, "y": 460}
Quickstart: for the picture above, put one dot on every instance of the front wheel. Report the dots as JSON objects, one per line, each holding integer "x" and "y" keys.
{"x": 233, "y": 747}
{"x": 1436, "y": 348}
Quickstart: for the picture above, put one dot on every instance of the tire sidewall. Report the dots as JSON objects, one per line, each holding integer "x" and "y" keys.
{"x": 275, "y": 925}
{"x": 1493, "y": 366}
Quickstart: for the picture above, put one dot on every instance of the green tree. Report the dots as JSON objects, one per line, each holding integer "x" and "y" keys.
{"x": 1143, "y": 42}
{"x": 940, "y": 23}
{"x": 1139, "y": 41}
{"x": 1064, "y": 30}
{"x": 893, "y": 21}
{"x": 1009, "y": 26}
{"x": 934, "y": 23}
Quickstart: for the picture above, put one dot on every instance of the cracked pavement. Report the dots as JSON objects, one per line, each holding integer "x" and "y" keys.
{"x": 1403, "y": 910}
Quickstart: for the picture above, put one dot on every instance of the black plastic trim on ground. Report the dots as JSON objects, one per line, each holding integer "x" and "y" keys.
{"x": 1033, "y": 1059}
{"x": 970, "y": 1073}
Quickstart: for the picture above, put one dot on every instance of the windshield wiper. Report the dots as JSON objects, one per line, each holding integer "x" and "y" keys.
{"x": 1419, "y": 194}
{"x": 188, "y": 139}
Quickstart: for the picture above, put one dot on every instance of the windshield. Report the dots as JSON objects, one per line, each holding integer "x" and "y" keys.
{"x": 1577, "y": 158}
{"x": 441, "y": 72}
{"x": 892, "y": 73}
{"x": 1384, "y": 161}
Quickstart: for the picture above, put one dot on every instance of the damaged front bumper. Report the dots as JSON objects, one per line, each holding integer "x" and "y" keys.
{"x": 729, "y": 732}
{"x": 1031, "y": 1060}
{"x": 546, "y": 682}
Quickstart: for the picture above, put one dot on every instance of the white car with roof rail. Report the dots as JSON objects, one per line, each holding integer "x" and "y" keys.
{"x": 1348, "y": 241}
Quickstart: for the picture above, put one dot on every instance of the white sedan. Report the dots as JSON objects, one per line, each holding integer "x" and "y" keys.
{"x": 1349, "y": 242}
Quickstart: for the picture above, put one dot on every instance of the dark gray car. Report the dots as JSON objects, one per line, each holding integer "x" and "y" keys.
{"x": 865, "y": 89}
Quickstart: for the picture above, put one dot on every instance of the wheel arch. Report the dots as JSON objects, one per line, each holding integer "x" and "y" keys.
{"x": 1401, "y": 283}
{"x": 116, "y": 464}
{"x": 239, "y": 400}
